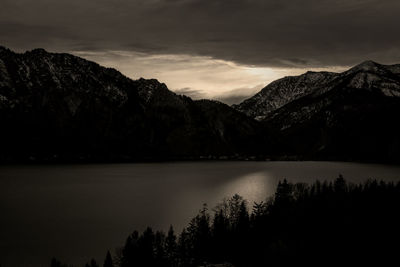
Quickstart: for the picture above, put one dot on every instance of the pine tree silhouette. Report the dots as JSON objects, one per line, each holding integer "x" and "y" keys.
{"x": 108, "y": 262}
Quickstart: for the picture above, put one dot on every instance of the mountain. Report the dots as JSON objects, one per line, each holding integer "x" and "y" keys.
{"x": 282, "y": 92}
{"x": 62, "y": 107}
{"x": 352, "y": 115}
{"x": 59, "y": 107}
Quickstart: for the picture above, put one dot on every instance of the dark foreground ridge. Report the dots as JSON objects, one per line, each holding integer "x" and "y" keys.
{"x": 61, "y": 108}
{"x": 322, "y": 224}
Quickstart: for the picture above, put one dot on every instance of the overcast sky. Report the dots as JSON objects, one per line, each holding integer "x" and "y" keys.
{"x": 224, "y": 49}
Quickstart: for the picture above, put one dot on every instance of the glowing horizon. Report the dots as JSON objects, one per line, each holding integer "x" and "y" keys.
{"x": 196, "y": 76}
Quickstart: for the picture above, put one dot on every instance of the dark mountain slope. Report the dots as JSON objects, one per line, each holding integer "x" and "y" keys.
{"x": 354, "y": 116}
{"x": 282, "y": 92}
{"x": 62, "y": 107}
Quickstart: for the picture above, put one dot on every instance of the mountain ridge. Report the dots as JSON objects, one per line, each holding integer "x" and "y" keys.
{"x": 290, "y": 88}
{"x": 58, "y": 106}
{"x": 352, "y": 116}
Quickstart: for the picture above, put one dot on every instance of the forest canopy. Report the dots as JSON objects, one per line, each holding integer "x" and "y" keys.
{"x": 319, "y": 224}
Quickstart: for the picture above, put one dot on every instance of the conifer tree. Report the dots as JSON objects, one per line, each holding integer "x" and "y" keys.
{"x": 108, "y": 262}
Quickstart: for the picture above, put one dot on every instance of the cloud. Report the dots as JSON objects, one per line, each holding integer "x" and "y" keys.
{"x": 192, "y": 93}
{"x": 266, "y": 33}
{"x": 198, "y": 77}
{"x": 237, "y": 95}
{"x": 229, "y": 97}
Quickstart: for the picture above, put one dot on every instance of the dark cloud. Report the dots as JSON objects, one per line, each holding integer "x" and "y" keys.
{"x": 296, "y": 33}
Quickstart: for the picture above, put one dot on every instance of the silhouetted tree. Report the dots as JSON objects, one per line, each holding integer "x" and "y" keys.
{"x": 159, "y": 251}
{"x": 108, "y": 262}
{"x": 171, "y": 248}
{"x": 199, "y": 232}
{"x": 220, "y": 236}
{"x": 93, "y": 263}
{"x": 283, "y": 194}
{"x": 185, "y": 249}
{"x": 146, "y": 254}
{"x": 322, "y": 224}
{"x": 55, "y": 263}
{"x": 130, "y": 252}
{"x": 340, "y": 185}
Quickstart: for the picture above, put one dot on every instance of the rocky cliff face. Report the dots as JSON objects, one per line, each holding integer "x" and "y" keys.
{"x": 58, "y": 106}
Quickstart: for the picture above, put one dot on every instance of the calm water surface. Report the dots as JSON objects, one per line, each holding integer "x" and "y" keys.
{"x": 75, "y": 212}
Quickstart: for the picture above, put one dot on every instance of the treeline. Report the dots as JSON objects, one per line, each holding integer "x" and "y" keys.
{"x": 322, "y": 224}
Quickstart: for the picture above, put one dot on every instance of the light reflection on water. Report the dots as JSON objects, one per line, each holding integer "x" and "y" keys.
{"x": 76, "y": 212}
{"x": 255, "y": 187}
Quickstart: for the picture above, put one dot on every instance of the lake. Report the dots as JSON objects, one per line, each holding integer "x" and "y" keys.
{"x": 75, "y": 212}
